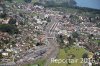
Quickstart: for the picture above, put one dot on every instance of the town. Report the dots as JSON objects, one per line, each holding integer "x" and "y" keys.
{"x": 31, "y": 32}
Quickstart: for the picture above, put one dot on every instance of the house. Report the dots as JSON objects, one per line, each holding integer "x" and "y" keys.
{"x": 89, "y": 63}
{"x": 39, "y": 21}
{"x": 64, "y": 32}
{"x": 41, "y": 38}
{"x": 5, "y": 54}
{"x": 8, "y": 50}
{"x": 38, "y": 7}
{"x": 1, "y": 50}
{"x": 4, "y": 21}
{"x": 1, "y": 10}
{"x": 4, "y": 36}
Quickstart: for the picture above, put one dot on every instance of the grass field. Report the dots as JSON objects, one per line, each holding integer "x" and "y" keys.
{"x": 39, "y": 62}
{"x": 64, "y": 53}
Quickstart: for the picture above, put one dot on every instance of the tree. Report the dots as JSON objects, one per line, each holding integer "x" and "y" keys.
{"x": 9, "y": 0}
{"x": 3, "y": 5}
{"x": 99, "y": 43}
{"x": 70, "y": 40}
{"x": 3, "y": 15}
{"x": 38, "y": 3}
{"x": 38, "y": 44}
{"x": 1, "y": 56}
{"x": 75, "y": 35}
{"x": 85, "y": 55}
{"x": 12, "y": 21}
{"x": 90, "y": 36}
{"x": 54, "y": 3}
{"x": 61, "y": 38}
{"x": 28, "y": 1}
{"x": 50, "y": 3}
{"x": 90, "y": 19}
{"x": 11, "y": 29}
{"x": 98, "y": 25}
{"x": 48, "y": 19}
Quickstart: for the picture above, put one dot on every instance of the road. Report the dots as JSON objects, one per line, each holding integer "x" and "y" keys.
{"x": 50, "y": 33}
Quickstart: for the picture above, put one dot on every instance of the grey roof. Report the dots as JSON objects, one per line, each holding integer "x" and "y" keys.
{"x": 1, "y": 8}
